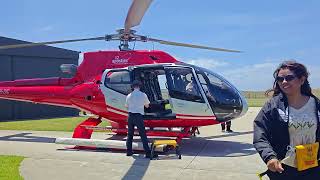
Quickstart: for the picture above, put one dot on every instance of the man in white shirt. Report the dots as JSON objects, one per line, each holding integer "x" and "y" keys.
{"x": 135, "y": 102}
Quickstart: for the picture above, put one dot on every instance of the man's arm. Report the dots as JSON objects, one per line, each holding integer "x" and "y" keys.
{"x": 146, "y": 101}
{"x": 126, "y": 104}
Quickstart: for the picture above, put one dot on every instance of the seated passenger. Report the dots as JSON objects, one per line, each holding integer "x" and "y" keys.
{"x": 191, "y": 87}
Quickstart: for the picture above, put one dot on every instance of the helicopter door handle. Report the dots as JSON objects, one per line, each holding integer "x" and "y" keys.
{"x": 114, "y": 100}
{"x": 180, "y": 104}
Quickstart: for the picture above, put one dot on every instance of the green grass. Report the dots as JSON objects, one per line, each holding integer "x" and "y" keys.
{"x": 9, "y": 167}
{"x": 258, "y": 102}
{"x": 57, "y": 124}
{"x": 258, "y": 98}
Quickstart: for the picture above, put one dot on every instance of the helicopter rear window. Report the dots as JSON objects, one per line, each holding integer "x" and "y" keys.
{"x": 118, "y": 77}
{"x": 119, "y": 81}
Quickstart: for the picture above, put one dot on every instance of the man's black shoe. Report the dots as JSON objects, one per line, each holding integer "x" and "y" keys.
{"x": 229, "y": 130}
{"x": 129, "y": 153}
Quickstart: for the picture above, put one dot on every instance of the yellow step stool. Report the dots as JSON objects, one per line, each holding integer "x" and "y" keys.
{"x": 171, "y": 144}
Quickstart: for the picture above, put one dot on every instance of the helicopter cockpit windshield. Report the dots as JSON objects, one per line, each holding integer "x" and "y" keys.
{"x": 224, "y": 99}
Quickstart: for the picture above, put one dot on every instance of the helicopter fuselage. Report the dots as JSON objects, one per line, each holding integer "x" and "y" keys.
{"x": 103, "y": 80}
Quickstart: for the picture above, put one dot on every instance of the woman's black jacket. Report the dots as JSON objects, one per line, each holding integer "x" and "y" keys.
{"x": 271, "y": 134}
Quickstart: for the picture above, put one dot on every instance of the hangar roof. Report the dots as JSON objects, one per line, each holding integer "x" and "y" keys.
{"x": 38, "y": 51}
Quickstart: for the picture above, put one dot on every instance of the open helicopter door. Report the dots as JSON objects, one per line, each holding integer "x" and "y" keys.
{"x": 116, "y": 85}
{"x": 187, "y": 98}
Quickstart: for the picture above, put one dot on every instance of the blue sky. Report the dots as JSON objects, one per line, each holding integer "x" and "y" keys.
{"x": 267, "y": 31}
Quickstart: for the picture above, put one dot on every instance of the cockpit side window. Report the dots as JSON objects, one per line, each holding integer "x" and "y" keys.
{"x": 214, "y": 80}
{"x": 119, "y": 81}
{"x": 205, "y": 87}
{"x": 182, "y": 84}
{"x": 201, "y": 79}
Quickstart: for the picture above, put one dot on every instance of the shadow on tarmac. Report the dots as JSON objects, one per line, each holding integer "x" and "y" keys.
{"x": 229, "y": 134}
{"x": 216, "y": 148}
{"x": 211, "y": 146}
{"x": 27, "y": 137}
{"x": 195, "y": 146}
{"x": 136, "y": 171}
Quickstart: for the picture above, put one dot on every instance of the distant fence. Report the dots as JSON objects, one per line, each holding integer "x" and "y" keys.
{"x": 261, "y": 94}
{"x": 254, "y": 94}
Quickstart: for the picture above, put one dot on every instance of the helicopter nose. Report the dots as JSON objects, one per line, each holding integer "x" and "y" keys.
{"x": 244, "y": 105}
{"x": 229, "y": 105}
{"x": 239, "y": 106}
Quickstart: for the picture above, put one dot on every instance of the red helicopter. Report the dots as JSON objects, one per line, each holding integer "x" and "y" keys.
{"x": 182, "y": 96}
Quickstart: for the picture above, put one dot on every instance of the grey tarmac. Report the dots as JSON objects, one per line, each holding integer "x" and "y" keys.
{"x": 211, "y": 155}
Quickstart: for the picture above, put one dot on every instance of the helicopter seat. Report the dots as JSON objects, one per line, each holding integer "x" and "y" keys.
{"x": 161, "y": 115}
{"x": 157, "y": 110}
{"x": 158, "y": 106}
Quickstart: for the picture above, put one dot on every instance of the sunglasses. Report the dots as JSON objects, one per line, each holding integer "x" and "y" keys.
{"x": 287, "y": 78}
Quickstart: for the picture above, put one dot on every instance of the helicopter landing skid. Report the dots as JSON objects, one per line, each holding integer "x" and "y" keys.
{"x": 185, "y": 132}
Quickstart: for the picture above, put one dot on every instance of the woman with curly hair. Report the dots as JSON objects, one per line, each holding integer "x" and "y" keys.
{"x": 288, "y": 119}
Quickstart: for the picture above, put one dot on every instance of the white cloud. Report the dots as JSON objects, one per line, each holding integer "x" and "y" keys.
{"x": 251, "y": 77}
{"x": 207, "y": 63}
{"x": 46, "y": 28}
{"x": 308, "y": 51}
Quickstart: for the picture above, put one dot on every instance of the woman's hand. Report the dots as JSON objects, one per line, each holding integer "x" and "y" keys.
{"x": 274, "y": 165}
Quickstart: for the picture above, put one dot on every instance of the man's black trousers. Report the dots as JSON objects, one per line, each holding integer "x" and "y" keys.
{"x": 136, "y": 119}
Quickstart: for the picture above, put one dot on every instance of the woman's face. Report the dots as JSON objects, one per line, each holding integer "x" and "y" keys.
{"x": 288, "y": 82}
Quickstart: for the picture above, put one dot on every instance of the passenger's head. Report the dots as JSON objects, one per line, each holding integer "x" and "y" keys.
{"x": 291, "y": 77}
{"x": 136, "y": 84}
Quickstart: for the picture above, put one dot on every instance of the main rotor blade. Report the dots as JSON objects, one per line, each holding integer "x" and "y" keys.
{"x": 135, "y": 13}
{"x": 50, "y": 42}
{"x": 190, "y": 45}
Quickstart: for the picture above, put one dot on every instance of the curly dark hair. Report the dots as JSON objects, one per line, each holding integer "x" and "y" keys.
{"x": 299, "y": 70}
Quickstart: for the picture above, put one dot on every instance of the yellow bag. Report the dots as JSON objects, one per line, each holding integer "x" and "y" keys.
{"x": 306, "y": 156}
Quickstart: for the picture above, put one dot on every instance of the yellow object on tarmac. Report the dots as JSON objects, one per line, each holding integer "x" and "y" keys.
{"x": 170, "y": 144}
